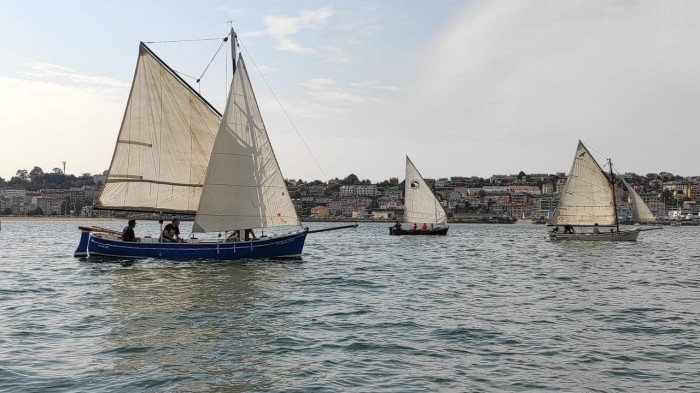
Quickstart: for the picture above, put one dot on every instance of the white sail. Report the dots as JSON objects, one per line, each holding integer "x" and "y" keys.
{"x": 164, "y": 143}
{"x": 420, "y": 204}
{"x": 244, "y": 187}
{"x": 640, "y": 210}
{"x": 587, "y": 197}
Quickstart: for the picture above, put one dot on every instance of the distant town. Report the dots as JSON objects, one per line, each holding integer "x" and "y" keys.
{"x": 499, "y": 198}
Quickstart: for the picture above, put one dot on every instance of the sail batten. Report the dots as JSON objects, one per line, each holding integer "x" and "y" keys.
{"x": 164, "y": 143}
{"x": 244, "y": 187}
{"x": 420, "y": 204}
{"x": 587, "y": 198}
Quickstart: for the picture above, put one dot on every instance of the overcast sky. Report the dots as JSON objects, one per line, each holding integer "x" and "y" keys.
{"x": 462, "y": 87}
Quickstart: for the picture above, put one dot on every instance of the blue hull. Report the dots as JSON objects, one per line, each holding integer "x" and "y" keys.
{"x": 288, "y": 246}
{"x": 81, "y": 251}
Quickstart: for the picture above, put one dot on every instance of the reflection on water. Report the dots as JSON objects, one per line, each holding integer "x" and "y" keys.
{"x": 196, "y": 320}
{"x": 486, "y": 308}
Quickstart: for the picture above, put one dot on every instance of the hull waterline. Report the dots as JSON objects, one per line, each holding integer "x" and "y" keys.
{"x": 430, "y": 232}
{"x": 620, "y": 236}
{"x": 287, "y": 246}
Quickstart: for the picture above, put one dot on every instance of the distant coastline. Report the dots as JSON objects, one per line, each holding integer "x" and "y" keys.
{"x": 54, "y": 218}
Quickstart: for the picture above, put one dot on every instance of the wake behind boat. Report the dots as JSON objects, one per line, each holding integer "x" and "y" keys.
{"x": 421, "y": 207}
{"x": 176, "y": 154}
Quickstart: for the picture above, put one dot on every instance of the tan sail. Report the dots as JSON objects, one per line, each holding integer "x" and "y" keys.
{"x": 587, "y": 197}
{"x": 640, "y": 210}
{"x": 420, "y": 204}
{"x": 244, "y": 187}
{"x": 164, "y": 143}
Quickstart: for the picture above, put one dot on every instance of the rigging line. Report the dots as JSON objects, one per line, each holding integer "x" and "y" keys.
{"x": 183, "y": 74}
{"x": 223, "y": 41}
{"x": 283, "y": 110}
{"x": 597, "y": 151}
{"x": 174, "y": 41}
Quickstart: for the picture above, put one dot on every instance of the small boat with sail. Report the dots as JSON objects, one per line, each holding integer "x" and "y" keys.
{"x": 177, "y": 155}
{"x": 421, "y": 207}
{"x": 588, "y": 201}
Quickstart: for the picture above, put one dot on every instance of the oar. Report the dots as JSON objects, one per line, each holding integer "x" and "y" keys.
{"x": 333, "y": 228}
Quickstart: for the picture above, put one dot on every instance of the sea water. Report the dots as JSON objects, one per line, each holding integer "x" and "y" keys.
{"x": 485, "y": 308}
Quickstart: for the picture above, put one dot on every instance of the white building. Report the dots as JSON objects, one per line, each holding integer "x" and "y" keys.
{"x": 15, "y": 193}
{"x": 367, "y": 190}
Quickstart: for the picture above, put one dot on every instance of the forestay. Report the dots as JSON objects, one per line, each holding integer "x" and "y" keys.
{"x": 420, "y": 204}
{"x": 164, "y": 142}
{"x": 587, "y": 197}
{"x": 244, "y": 187}
{"x": 640, "y": 210}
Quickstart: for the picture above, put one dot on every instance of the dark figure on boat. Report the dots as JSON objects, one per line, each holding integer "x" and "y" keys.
{"x": 128, "y": 232}
{"x": 250, "y": 235}
{"x": 568, "y": 229}
{"x": 397, "y": 226}
{"x": 171, "y": 232}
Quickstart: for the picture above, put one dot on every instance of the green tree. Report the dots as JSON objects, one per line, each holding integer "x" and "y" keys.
{"x": 350, "y": 180}
{"x": 22, "y": 174}
{"x": 36, "y": 174}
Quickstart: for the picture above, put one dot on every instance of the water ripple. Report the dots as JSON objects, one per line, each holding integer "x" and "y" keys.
{"x": 486, "y": 308}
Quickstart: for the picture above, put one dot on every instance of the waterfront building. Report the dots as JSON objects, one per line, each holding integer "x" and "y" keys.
{"x": 320, "y": 212}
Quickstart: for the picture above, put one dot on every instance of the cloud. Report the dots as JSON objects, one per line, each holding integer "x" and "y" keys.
{"x": 283, "y": 28}
{"x": 53, "y": 113}
{"x": 57, "y": 74}
{"x": 338, "y": 55}
{"x": 514, "y": 85}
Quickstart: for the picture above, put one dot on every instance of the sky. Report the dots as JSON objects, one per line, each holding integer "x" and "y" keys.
{"x": 465, "y": 88}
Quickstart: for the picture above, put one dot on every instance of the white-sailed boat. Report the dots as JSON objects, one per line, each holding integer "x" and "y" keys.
{"x": 420, "y": 207}
{"x": 588, "y": 201}
{"x": 175, "y": 154}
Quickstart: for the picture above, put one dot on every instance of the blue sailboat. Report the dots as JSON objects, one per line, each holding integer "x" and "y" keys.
{"x": 176, "y": 154}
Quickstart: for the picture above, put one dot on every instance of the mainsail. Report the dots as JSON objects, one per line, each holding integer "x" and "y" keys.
{"x": 164, "y": 143}
{"x": 587, "y": 197}
{"x": 640, "y": 210}
{"x": 244, "y": 187}
{"x": 420, "y": 204}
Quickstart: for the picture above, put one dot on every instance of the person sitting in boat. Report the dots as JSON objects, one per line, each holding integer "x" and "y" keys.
{"x": 415, "y": 227}
{"x": 128, "y": 232}
{"x": 397, "y": 226}
{"x": 171, "y": 232}
{"x": 554, "y": 231}
{"x": 424, "y": 227}
{"x": 595, "y": 229}
{"x": 568, "y": 229}
{"x": 233, "y": 237}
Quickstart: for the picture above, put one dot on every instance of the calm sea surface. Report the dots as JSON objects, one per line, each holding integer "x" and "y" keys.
{"x": 486, "y": 308}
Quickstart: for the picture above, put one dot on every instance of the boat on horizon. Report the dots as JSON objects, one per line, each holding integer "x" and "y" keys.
{"x": 588, "y": 201}
{"x": 421, "y": 207}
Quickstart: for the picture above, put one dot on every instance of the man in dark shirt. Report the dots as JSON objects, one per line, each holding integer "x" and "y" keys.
{"x": 128, "y": 232}
{"x": 171, "y": 232}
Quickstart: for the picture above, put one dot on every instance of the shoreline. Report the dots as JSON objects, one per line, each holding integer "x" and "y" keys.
{"x": 72, "y": 219}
